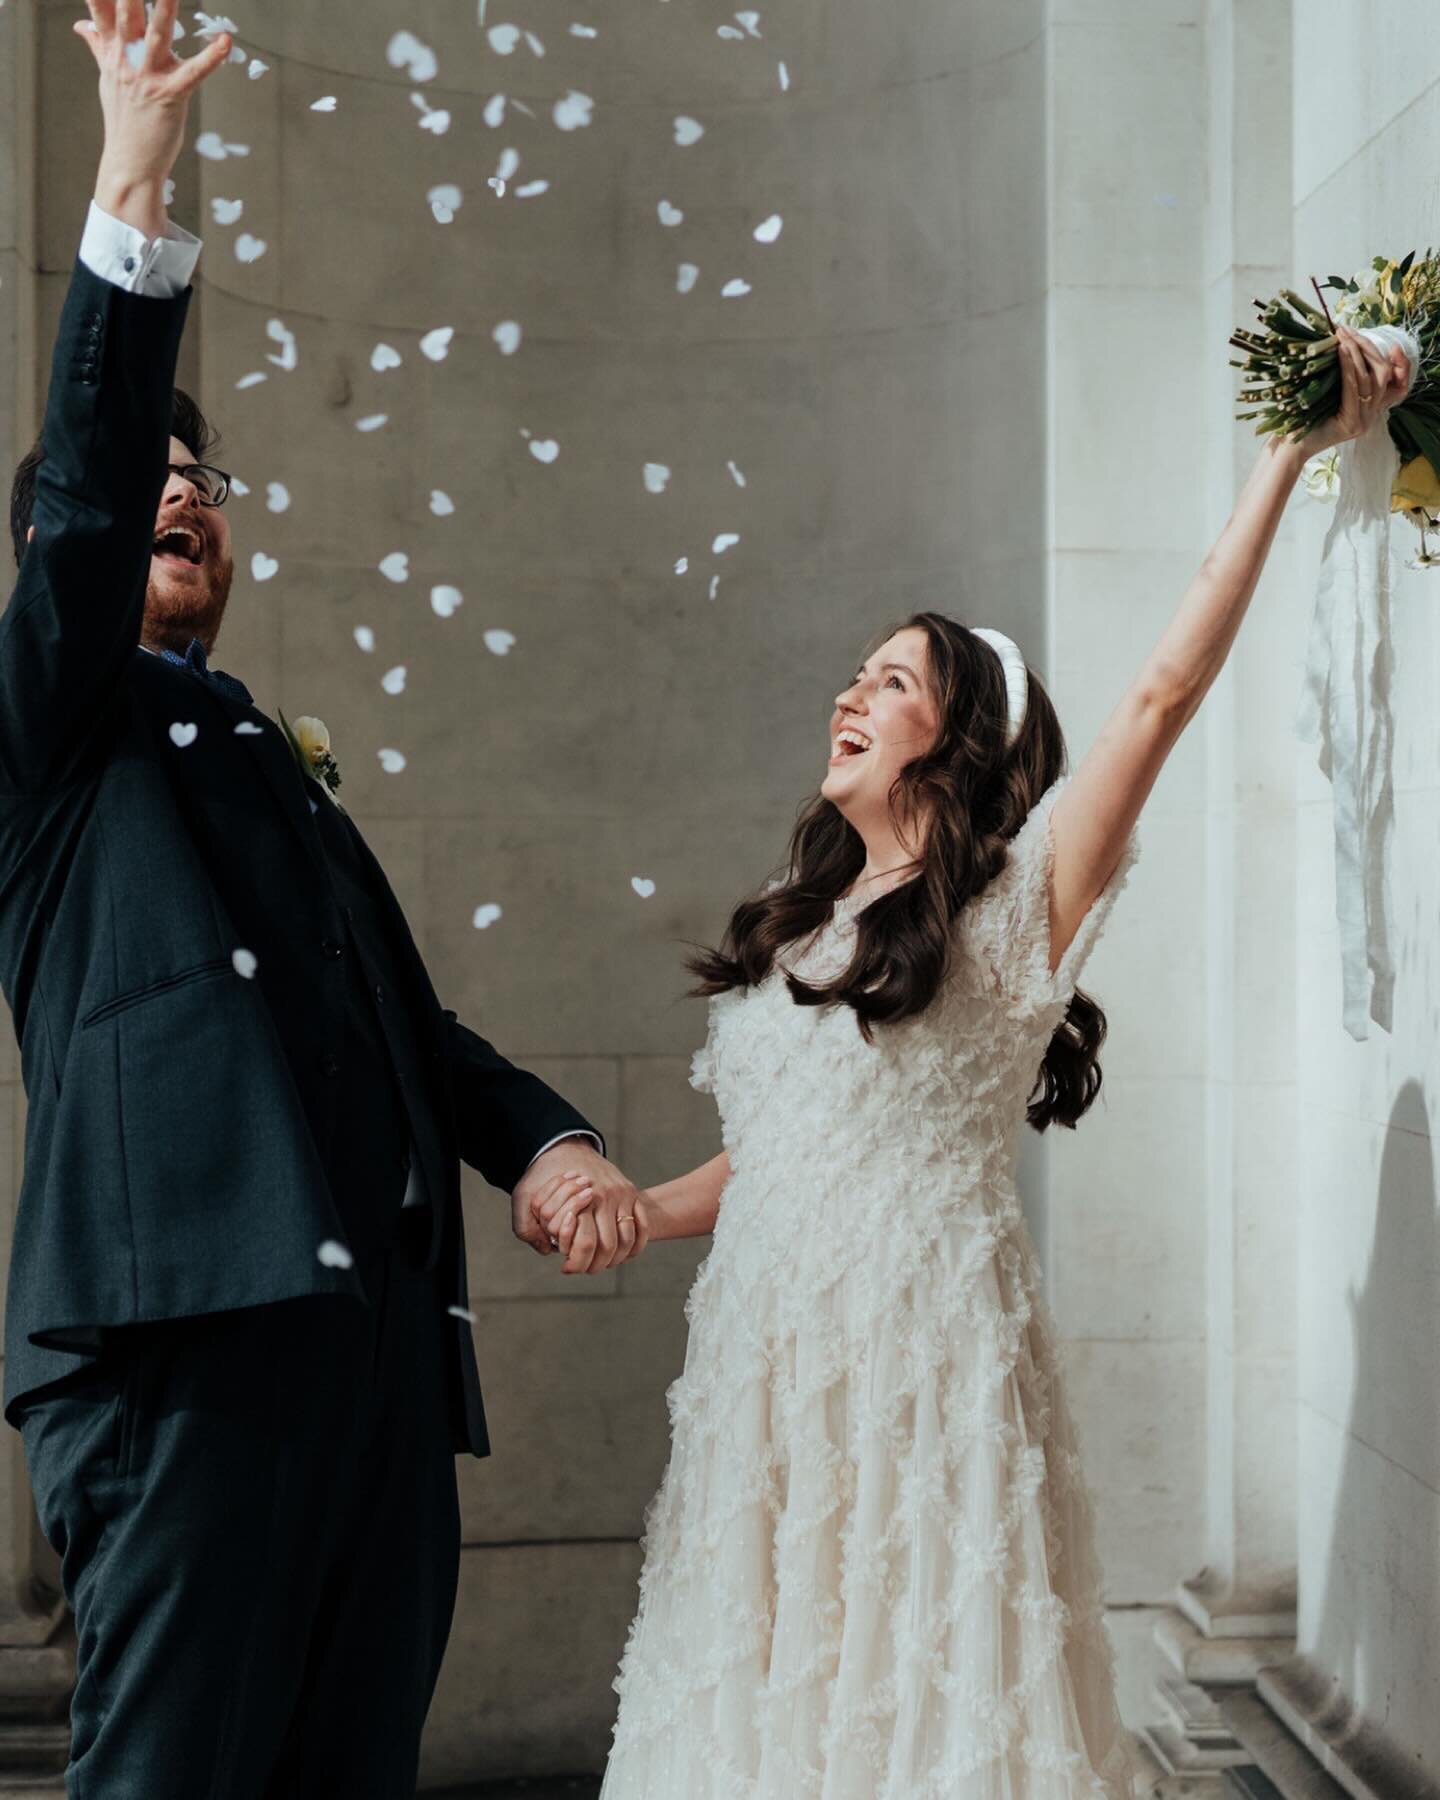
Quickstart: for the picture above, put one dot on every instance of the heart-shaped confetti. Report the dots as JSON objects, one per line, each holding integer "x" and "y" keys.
{"x": 445, "y": 201}
{"x": 396, "y": 566}
{"x": 735, "y": 290}
{"x": 226, "y": 212}
{"x": 405, "y": 51}
{"x": 383, "y": 357}
{"x": 486, "y": 916}
{"x": 393, "y": 680}
{"x": 544, "y": 450}
{"x": 334, "y": 1256}
{"x": 573, "y": 111}
{"x": 182, "y": 736}
{"x": 238, "y": 488}
{"x": 248, "y": 248}
{"x": 494, "y": 113}
{"x": 444, "y": 600}
{"x": 436, "y": 344}
{"x": 769, "y": 229}
{"x": 751, "y": 22}
{"x": 499, "y": 643}
{"x": 263, "y": 567}
{"x": 257, "y": 68}
{"x": 657, "y": 478}
{"x": 214, "y": 148}
{"x": 245, "y": 963}
{"x": 372, "y": 422}
{"x": 391, "y": 761}
{"x": 277, "y": 497}
{"x": 248, "y": 728}
{"x": 365, "y": 638}
{"x": 326, "y": 103}
{"x": 688, "y": 131}
{"x": 669, "y": 215}
{"x": 727, "y": 540}
{"x": 441, "y": 504}
{"x": 643, "y": 886}
{"x": 685, "y": 277}
{"x": 507, "y": 336}
{"x": 504, "y": 39}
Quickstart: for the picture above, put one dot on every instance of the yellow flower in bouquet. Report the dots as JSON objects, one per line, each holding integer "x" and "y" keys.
{"x": 1416, "y": 489}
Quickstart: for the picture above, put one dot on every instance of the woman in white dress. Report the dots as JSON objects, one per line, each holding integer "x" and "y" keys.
{"x": 870, "y": 1570}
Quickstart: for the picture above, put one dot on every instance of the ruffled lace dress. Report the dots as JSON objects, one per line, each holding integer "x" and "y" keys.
{"x": 870, "y": 1570}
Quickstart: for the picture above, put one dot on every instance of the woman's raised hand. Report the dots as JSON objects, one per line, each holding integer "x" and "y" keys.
{"x": 1372, "y": 380}
{"x": 145, "y": 98}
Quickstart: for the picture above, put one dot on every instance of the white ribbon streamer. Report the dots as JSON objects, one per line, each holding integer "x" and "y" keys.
{"x": 1345, "y": 707}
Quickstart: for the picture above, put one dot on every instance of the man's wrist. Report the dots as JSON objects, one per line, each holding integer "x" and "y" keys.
{"x": 138, "y": 201}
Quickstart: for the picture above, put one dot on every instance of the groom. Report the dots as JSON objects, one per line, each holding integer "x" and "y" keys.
{"x": 235, "y": 1341}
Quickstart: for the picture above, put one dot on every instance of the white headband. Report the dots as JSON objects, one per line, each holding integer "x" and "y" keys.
{"x": 1017, "y": 679}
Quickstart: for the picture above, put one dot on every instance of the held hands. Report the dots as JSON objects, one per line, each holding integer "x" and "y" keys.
{"x": 573, "y": 1200}
{"x": 1372, "y": 380}
{"x": 144, "y": 108}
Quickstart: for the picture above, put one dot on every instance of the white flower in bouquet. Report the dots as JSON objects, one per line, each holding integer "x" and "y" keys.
{"x": 1321, "y": 476}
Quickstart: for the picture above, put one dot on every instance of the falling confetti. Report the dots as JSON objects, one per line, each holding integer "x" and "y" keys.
{"x": 257, "y": 68}
{"x": 583, "y": 31}
{"x": 685, "y": 277}
{"x": 461, "y": 1312}
{"x": 393, "y": 680}
{"x": 238, "y": 487}
{"x": 214, "y": 25}
{"x": 769, "y": 229}
{"x": 544, "y": 450}
{"x": 391, "y": 761}
{"x": 735, "y": 290}
{"x": 507, "y": 336}
{"x": 643, "y": 886}
{"x": 784, "y": 79}
{"x": 248, "y": 728}
{"x": 727, "y": 540}
{"x": 396, "y": 566}
{"x": 445, "y": 201}
{"x": 657, "y": 477}
{"x": 436, "y": 344}
{"x": 432, "y": 118}
{"x": 383, "y": 357}
{"x": 325, "y": 104}
{"x": 736, "y": 475}
{"x": 226, "y": 212}
{"x": 688, "y": 131}
{"x": 249, "y": 249}
{"x": 334, "y": 1256}
{"x": 182, "y": 736}
{"x": 405, "y": 51}
{"x": 245, "y": 964}
{"x": 751, "y": 23}
{"x": 486, "y": 916}
{"x": 365, "y": 638}
{"x": 214, "y": 148}
{"x": 528, "y": 190}
{"x": 536, "y": 47}
{"x": 682, "y": 567}
{"x": 444, "y": 600}
{"x": 280, "y": 333}
{"x": 573, "y": 112}
{"x": 263, "y": 567}
{"x": 253, "y": 379}
{"x": 277, "y": 497}
{"x": 499, "y": 643}
{"x": 494, "y": 113}
{"x": 669, "y": 215}
{"x": 504, "y": 39}
{"x": 372, "y": 422}
{"x": 441, "y": 504}
{"x": 714, "y": 586}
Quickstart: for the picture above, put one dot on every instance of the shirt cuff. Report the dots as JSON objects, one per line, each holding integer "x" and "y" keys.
{"x": 160, "y": 268}
{"x": 564, "y": 1137}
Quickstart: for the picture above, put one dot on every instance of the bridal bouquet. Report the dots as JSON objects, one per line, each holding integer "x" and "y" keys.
{"x": 1292, "y": 376}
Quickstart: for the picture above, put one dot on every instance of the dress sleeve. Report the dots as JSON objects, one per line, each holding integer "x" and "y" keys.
{"x": 702, "y": 1064}
{"x": 1012, "y": 926}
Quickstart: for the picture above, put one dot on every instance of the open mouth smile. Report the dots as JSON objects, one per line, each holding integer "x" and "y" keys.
{"x": 849, "y": 743}
{"x": 179, "y": 544}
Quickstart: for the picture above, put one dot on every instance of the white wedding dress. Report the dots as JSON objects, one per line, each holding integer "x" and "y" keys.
{"x": 870, "y": 1571}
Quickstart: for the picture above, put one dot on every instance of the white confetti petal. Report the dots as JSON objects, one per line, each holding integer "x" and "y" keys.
{"x": 688, "y": 131}
{"x": 393, "y": 680}
{"x": 169, "y": 188}
{"x": 437, "y": 120}
{"x": 248, "y": 728}
{"x": 657, "y": 477}
{"x": 536, "y": 47}
{"x": 391, "y": 761}
{"x": 685, "y": 277}
{"x": 214, "y": 25}
{"x": 245, "y": 964}
{"x": 544, "y": 450}
{"x": 249, "y": 249}
{"x": 784, "y": 79}
{"x": 584, "y": 31}
{"x": 280, "y": 333}
{"x": 494, "y": 114}
{"x": 736, "y": 289}
{"x": 383, "y": 357}
{"x": 211, "y": 146}
{"x": 509, "y": 163}
{"x": 253, "y": 379}
{"x": 445, "y": 201}
{"x": 405, "y": 51}
{"x": 226, "y": 212}
{"x": 669, "y": 215}
{"x": 503, "y": 39}
{"x": 263, "y": 567}
{"x": 396, "y": 566}
{"x": 530, "y": 190}
{"x": 727, "y": 540}
{"x": 436, "y": 344}
{"x": 499, "y": 643}
{"x": 486, "y": 916}
{"x": 751, "y": 22}
{"x": 736, "y": 474}
{"x": 444, "y": 600}
{"x": 714, "y": 586}
{"x": 365, "y": 638}
{"x": 257, "y": 68}
{"x": 507, "y": 336}
{"x": 574, "y": 111}
{"x": 334, "y": 1256}
{"x": 277, "y": 497}
{"x": 461, "y": 1312}
{"x": 441, "y": 504}
{"x": 732, "y": 32}
{"x": 682, "y": 567}
{"x": 326, "y": 103}
{"x": 372, "y": 422}
{"x": 769, "y": 229}
{"x": 182, "y": 736}
{"x": 237, "y": 486}
{"x": 643, "y": 886}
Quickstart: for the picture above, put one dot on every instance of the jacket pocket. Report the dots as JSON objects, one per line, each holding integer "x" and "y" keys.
{"x": 206, "y": 971}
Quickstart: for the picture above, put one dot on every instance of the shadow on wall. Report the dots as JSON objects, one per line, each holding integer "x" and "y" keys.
{"x": 1395, "y": 1319}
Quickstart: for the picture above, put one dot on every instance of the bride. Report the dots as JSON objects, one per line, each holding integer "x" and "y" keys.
{"x": 870, "y": 1571}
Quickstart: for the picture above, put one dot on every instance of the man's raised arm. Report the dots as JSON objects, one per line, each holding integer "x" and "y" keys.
{"x": 74, "y": 619}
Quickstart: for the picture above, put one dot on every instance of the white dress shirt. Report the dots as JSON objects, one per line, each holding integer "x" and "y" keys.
{"x": 162, "y": 268}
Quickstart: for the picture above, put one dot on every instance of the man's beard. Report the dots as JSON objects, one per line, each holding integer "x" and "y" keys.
{"x": 173, "y": 616}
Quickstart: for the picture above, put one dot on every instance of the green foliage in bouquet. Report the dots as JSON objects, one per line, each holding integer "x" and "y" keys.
{"x": 1292, "y": 363}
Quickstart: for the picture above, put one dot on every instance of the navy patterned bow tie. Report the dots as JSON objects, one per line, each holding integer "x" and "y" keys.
{"x": 195, "y": 660}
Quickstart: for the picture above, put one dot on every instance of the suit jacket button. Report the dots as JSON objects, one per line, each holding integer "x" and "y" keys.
{"x": 329, "y": 947}
{"x": 329, "y": 1063}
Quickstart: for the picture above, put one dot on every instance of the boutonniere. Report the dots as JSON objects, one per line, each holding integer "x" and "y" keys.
{"x": 310, "y": 741}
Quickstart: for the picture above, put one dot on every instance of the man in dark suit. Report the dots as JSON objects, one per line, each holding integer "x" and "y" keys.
{"x": 237, "y": 1341}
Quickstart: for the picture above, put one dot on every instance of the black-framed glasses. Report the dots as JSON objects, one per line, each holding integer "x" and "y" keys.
{"x": 211, "y": 484}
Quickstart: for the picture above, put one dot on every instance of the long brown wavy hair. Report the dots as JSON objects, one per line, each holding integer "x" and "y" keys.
{"x": 973, "y": 794}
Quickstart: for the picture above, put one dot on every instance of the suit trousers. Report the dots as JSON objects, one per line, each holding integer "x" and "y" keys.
{"x": 258, "y": 1526}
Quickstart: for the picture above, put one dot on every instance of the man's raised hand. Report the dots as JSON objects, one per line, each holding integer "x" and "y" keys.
{"x": 144, "y": 101}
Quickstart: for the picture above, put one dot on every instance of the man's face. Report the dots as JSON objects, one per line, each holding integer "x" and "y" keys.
{"x": 191, "y": 566}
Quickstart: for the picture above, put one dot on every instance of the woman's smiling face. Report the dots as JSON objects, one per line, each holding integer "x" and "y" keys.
{"x": 885, "y": 719}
